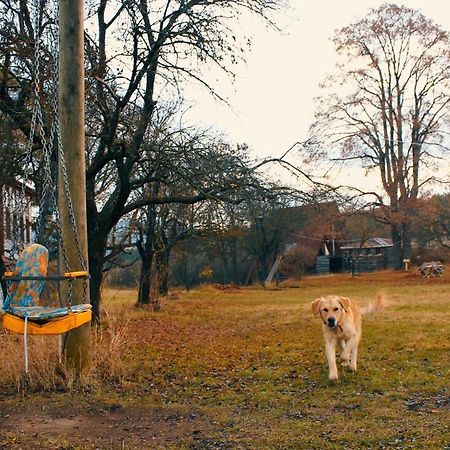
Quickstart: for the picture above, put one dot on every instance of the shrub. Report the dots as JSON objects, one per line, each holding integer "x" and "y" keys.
{"x": 297, "y": 262}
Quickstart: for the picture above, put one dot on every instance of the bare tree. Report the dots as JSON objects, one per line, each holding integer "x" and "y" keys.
{"x": 387, "y": 108}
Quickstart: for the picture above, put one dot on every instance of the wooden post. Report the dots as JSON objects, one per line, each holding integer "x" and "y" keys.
{"x": 71, "y": 120}
{"x": 2, "y": 221}
{"x": 272, "y": 271}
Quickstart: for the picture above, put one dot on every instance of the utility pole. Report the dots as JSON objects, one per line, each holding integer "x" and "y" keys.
{"x": 333, "y": 239}
{"x": 71, "y": 121}
{"x": 260, "y": 258}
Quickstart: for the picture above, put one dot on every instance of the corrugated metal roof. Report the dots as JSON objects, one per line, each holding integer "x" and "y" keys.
{"x": 369, "y": 243}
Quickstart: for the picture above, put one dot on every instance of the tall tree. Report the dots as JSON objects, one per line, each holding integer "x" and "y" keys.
{"x": 387, "y": 108}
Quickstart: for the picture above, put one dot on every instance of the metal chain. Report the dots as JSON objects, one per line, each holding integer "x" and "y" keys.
{"x": 49, "y": 183}
{"x": 23, "y": 203}
{"x": 37, "y": 111}
{"x": 52, "y": 184}
{"x": 81, "y": 259}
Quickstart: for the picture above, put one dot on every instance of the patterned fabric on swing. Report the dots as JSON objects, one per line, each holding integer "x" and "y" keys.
{"x": 32, "y": 262}
{"x": 42, "y": 313}
{"x": 23, "y": 296}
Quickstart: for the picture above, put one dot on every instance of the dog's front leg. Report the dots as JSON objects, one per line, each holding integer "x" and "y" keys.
{"x": 344, "y": 356}
{"x": 351, "y": 352}
{"x": 330, "y": 349}
{"x": 354, "y": 354}
{"x": 354, "y": 358}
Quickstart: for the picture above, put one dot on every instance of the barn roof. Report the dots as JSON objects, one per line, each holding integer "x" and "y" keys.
{"x": 368, "y": 243}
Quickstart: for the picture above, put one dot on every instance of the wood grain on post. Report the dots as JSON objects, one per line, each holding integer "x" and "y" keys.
{"x": 71, "y": 117}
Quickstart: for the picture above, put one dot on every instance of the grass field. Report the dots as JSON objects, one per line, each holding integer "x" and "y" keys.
{"x": 245, "y": 369}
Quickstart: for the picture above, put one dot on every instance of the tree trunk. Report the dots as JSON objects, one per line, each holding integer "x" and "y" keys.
{"x": 406, "y": 241}
{"x": 262, "y": 272}
{"x": 146, "y": 252}
{"x": 184, "y": 271}
{"x": 397, "y": 245}
{"x": 226, "y": 270}
{"x": 145, "y": 281}
{"x": 234, "y": 266}
{"x": 162, "y": 271}
{"x": 96, "y": 259}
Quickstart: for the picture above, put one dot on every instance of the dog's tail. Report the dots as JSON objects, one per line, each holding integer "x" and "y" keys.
{"x": 375, "y": 306}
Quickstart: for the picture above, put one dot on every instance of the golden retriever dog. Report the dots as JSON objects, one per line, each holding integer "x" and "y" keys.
{"x": 341, "y": 324}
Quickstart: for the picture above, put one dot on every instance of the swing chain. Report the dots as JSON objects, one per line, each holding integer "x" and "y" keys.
{"x": 23, "y": 204}
{"x": 81, "y": 259}
{"x": 47, "y": 148}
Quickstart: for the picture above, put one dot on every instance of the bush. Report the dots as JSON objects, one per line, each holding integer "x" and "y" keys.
{"x": 438, "y": 253}
{"x": 297, "y": 262}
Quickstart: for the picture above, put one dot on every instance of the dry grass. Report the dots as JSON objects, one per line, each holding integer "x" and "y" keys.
{"x": 47, "y": 372}
{"x": 246, "y": 368}
{"x": 43, "y": 353}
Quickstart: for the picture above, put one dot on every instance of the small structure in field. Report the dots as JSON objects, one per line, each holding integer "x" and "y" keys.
{"x": 431, "y": 269}
{"x": 368, "y": 255}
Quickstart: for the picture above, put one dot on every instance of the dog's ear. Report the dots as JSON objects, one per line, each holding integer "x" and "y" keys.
{"x": 345, "y": 303}
{"x": 316, "y": 306}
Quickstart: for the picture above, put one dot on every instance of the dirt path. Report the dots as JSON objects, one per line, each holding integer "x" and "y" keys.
{"x": 53, "y": 425}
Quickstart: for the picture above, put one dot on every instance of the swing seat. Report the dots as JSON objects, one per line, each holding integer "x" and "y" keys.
{"x": 21, "y": 303}
{"x": 51, "y": 326}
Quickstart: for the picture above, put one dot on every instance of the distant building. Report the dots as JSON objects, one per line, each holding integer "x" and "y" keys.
{"x": 368, "y": 255}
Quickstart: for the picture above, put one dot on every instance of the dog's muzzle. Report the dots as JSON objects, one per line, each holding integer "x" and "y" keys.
{"x": 331, "y": 322}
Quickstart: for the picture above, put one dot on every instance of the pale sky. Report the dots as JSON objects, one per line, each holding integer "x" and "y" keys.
{"x": 272, "y": 98}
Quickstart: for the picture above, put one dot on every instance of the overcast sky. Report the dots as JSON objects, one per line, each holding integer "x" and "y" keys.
{"x": 272, "y": 98}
